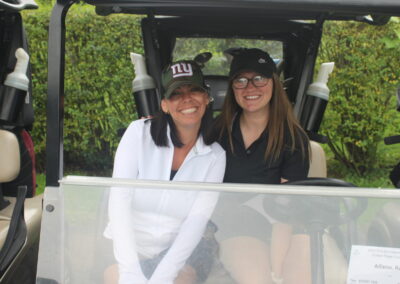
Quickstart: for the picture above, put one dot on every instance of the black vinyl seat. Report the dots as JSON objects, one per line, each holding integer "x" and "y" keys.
{"x": 218, "y": 85}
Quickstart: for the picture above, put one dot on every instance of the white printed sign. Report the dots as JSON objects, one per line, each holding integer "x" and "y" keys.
{"x": 374, "y": 265}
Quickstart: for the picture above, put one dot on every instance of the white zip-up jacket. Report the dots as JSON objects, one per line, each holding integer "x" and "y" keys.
{"x": 145, "y": 222}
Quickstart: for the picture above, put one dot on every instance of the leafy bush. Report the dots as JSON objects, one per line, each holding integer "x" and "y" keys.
{"x": 97, "y": 96}
{"x": 37, "y": 24}
{"x": 188, "y": 47}
{"x": 362, "y": 85}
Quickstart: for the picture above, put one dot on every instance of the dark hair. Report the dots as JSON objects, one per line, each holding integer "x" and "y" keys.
{"x": 281, "y": 120}
{"x": 158, "y": 129}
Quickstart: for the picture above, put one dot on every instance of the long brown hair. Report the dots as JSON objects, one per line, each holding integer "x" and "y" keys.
{"x": 281, "y": 118}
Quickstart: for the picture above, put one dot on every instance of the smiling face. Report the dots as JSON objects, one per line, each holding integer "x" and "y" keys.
{"x": 253, "y": 99}
{"x": 186, "y": 105}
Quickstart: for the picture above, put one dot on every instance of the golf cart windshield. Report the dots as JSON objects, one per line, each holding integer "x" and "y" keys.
{"x": 78, "y": 242}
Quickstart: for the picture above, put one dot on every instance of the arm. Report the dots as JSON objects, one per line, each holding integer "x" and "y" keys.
{"x": 123, "y": 237}
{"x": 296, "y": 163}
{"x": 191, "y": 230}
{"x": 120, "y": 202}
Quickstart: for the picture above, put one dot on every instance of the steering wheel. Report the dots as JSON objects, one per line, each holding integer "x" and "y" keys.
{"x": 303, "y": 210}
{"x": 322, "y": 182}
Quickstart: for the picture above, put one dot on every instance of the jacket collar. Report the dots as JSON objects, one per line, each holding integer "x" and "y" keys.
{"x": 199, "y": 147}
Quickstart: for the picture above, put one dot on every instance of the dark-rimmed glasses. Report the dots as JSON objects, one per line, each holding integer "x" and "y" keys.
{"x": 242, "y": 82}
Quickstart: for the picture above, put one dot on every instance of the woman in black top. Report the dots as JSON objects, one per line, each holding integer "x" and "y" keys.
{"x": 265, "y": 144}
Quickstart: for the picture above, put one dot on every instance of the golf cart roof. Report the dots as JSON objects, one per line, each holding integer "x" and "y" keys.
{"x": 294, "y": 9}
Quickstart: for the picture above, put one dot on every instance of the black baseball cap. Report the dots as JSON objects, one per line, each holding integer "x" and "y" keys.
{"x": 250, "y": 59}
{"x": 184, "y": 72}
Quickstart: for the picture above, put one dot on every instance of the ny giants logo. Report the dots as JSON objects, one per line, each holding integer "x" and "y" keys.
{"x": 181, "y": 69}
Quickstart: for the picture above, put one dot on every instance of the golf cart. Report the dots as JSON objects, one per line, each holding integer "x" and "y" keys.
{"x": 20, "y": 209}
{"x": 73, "y": 248}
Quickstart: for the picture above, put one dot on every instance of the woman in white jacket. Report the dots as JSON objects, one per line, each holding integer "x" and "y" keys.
{"x": 158, "y": 235}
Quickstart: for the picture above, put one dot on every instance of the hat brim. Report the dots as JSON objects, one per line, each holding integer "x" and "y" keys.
{"x": 175, "y": 85}
{"x": 261, "y": 71}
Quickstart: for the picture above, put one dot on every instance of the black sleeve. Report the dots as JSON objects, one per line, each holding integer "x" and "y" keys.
{"x": 296, "y": 163}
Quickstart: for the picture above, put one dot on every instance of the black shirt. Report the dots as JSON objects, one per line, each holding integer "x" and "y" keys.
{"x": 249, "y": 165}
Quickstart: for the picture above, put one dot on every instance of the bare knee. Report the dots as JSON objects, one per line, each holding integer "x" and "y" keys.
{"x": 246, "y": 259}
{"x": 187, "y": 275}
{"x": 111, "y": 274}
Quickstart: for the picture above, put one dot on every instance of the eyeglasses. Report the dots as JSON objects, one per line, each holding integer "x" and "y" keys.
{"x": 242, "y": 82}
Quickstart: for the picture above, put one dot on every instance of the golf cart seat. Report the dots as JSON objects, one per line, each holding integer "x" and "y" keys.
{"x": 218, "y": 86}
{"x": 9, "y": 171}
{"x": 318, "y": 161}
{"x": 22, "y": 164}
{"x": 10, "y": 156}
{"x": 18, "y": 216}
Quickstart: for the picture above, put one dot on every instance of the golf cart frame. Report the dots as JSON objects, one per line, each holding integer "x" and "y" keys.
{"x": 20, "y": 209}
{"x": 296, "y": 23}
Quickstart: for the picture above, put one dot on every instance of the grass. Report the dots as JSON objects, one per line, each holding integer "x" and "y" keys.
{"x": 377, "y": 178}
{"x": 41, "y": 177}
{"x": 41, "y": 183}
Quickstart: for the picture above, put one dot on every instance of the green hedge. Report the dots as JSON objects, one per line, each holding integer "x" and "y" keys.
{"x": 98, "y": 96}
{"x": 361, "y": 109}
{"x": 37, "y": 24}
